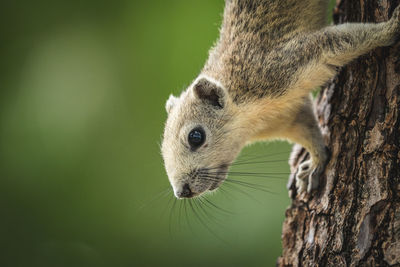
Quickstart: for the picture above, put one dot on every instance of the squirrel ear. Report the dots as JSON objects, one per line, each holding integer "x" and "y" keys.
{"x": 170, "y": 103}
{"x": 210, "y": 92}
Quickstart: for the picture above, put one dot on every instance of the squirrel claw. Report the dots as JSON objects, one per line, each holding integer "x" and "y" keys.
{"x": 307, "y": 177}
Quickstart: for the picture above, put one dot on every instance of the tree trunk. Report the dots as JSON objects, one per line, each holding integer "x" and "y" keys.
{"x": 354, "y": 217}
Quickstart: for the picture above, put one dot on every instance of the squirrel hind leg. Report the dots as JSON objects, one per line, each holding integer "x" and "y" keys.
{"x": 306, "y": 133}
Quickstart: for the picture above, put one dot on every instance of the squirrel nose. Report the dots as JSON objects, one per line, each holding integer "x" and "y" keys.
{"x": 185, "y": 192}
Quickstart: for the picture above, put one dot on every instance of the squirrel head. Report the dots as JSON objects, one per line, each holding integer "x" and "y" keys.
{"x": 201, "y": 138}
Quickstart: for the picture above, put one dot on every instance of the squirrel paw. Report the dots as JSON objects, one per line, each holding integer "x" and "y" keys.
{"x": 307, "y": 177}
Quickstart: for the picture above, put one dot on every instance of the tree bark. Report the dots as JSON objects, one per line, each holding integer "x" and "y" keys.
{"x": 354, "y": 217}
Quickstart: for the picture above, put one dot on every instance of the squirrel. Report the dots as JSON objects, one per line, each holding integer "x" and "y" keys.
{"x": 256, "y": 85}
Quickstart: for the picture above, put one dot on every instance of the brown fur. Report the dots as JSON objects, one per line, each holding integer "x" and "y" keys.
{"x": 269, "y": 56}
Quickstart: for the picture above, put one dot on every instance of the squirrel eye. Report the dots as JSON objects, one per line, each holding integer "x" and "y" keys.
{"x": 196, "y": 138}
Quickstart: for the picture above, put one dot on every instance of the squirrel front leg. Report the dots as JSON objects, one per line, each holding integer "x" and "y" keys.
{"x": 305, "y": 132}
{"x": 314, "y": 57}
{"x": 345, "y": 42}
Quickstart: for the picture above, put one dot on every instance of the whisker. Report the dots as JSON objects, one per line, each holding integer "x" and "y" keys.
{"x": 208, "y": 215}
{"x": 203, "y": 223}
{"x": 232, "y": 180}
{"x": 259, "y": 175}
{"x": 168, "y": 204}
{"x": 245, "y": 184}
{"x": 161, "y": 194}
{"x": 255, "y": 187}
{"x": 170, "y": 217}
{"x": 259, "y": 162}
{"x": 264, "y": 177}
{"x": 248, "y": 163}
{"x": 249, "y": 158}
{"x": 247, "y": 173}
{"x": 217, "y": 207}
{"x": 180, "y": 214}
{"x": 187, "y": 216}
{"x": 226, "y": 193}
{"x": 232, "y": 186}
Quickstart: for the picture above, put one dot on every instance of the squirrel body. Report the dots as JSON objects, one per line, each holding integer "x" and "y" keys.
{"x": 256, "y": 86}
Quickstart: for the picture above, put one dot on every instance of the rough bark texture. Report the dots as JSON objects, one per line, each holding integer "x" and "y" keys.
{"x": 354, "y": 218}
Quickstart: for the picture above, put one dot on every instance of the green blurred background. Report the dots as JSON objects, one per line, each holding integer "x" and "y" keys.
{"x": 83, "y": 87}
